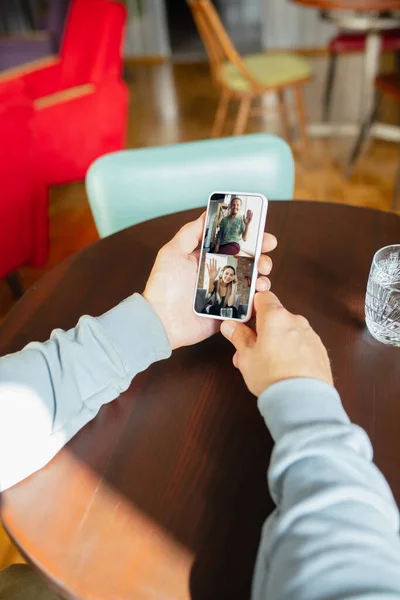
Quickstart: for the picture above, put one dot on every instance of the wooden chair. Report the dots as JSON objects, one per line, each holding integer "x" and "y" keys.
{"x": 248, "y": 78}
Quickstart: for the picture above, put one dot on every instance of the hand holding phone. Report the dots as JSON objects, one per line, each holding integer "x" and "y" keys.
{"x": 169, "y": 289}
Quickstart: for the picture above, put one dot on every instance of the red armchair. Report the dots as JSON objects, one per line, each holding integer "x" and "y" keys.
{"x": 80, "y": 102}
{"x": 23, "y": 196}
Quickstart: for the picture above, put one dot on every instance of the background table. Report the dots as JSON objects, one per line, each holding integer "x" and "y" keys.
{"x": 164, "y": 494}
{"x": 360, "y": 16}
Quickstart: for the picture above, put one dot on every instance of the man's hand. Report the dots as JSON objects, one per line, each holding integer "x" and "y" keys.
{"x": 171, "y": 285}
{"x": 247, "y": 219}
{"x": 284, "y": 346}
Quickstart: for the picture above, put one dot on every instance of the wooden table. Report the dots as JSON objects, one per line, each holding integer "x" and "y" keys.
{"x": 366, "y": 16}
{"x": 164, "y": 494}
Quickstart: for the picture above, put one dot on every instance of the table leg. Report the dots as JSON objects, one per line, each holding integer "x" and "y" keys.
{"x": 365, "y": 131}
{"x": 371, "y": 69}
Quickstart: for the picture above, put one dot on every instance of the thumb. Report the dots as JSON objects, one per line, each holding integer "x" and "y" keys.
{"x": 189, "y": 236}
{"x": 239, "y": 334}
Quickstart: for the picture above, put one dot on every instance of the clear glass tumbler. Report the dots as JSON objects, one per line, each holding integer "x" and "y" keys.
{"x": 382, "y": 302}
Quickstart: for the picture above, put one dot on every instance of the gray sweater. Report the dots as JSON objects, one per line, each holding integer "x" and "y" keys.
{"x": 334, "y": 533}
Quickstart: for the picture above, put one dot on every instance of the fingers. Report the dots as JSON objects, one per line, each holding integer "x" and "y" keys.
{"x": 263, "y": 284}
{"x": 264, "y": 265}
{"x": 269, "y": 242}
{"x": 241, "y": 336}
{"x": 211, "y": 264}
{"x": 189, "y": 236}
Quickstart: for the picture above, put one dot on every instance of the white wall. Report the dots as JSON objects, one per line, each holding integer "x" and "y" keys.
{"x": 284, "y": 25}
{"x": 147, "y": 32}
{"x": 287, "y": 25}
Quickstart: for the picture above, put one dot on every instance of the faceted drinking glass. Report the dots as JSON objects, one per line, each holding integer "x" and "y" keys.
{"x": 382, "y": 302}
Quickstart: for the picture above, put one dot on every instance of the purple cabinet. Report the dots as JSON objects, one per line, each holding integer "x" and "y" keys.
{"x": 27, "y": 35}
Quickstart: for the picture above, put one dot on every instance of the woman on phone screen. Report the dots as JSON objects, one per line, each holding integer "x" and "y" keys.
{"x": 222, "y": 290}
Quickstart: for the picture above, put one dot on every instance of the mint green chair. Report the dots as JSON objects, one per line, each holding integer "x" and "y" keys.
{"x": 132, "y": 186}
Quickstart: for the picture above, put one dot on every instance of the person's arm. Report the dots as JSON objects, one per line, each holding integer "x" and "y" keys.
{"x": 246, "y": 224}
{"x": 212, "y": 271}
{"x": 49, "y": 391}
{"x": 220, "y": 234}
{"x": 335, "y": 532}
{"x": 245, "y": 230}
{"x": 232, "y": 296}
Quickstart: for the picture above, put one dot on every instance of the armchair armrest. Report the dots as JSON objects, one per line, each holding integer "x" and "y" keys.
{"x": 22, "y": 70}
{"x": 65, "y": 96}
{"x": 40, "y": 77}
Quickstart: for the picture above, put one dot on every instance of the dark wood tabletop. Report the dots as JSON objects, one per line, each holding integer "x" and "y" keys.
{"x": 164, "y": 494}
{"x": 365, "y": 5}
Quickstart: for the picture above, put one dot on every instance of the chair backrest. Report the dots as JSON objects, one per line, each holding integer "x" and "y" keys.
{"x": 132, "y": 186}
{"x": 218, "y": 45}
{"x": 91, "y": 49}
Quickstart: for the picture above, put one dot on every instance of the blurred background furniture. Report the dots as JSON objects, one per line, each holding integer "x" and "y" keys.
{"x": 386, "y": 84}
{"x": 128, "y": 187}
{"x": 373, "y": 19}
{"x": 30, "y": 30}
{"x": 80, "y": 100}
{"x": 345, "y": 42}
{"x": 246, "y": 79}
{"x": 23, "y": 196}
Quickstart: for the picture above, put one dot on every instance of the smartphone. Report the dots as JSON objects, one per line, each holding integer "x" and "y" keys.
{"x": 230, "y": 250}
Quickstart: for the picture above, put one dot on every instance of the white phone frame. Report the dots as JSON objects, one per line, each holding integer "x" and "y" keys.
{"x": 264, "y": 210}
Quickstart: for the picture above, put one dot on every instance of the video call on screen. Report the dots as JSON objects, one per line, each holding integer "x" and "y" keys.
{"x": 227, "y": 263}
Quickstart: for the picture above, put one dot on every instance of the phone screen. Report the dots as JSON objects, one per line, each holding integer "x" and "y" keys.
{"x": 227, "y": 270}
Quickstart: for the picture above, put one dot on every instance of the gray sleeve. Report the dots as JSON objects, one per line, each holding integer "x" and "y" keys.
{"x": 49, "y": 391}
{"x": 335, "y": 532}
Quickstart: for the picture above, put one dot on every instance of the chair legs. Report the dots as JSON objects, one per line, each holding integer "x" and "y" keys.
{"x": 242, "y": 116}
{"x": 330, "y": 82}
{"x": 244, "y": 113}
{"x": 220, "y": 115}
{"x": 362, "y": 137}
{"x": 284, "y": 115}
{"x": 15, "y": 285}
{"x": 301, "y": 117}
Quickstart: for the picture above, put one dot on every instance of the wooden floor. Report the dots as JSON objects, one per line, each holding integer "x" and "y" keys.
{"x": 173, "y": 104}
